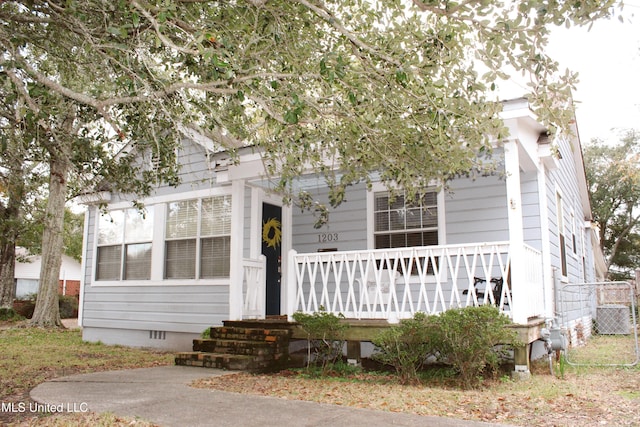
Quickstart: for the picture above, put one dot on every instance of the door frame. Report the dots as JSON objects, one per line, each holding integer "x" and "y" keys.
{"x": 258, "y": 197}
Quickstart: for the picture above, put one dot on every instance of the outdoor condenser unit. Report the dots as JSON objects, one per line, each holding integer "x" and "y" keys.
{"x": 613, "y": 319}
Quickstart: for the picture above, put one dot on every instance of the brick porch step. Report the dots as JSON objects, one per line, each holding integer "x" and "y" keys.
{"x": 240, "y": 348}
{"x": 253, "y": 334}
{"x": 236, "y": 346}
{"x": 232, "y": 362}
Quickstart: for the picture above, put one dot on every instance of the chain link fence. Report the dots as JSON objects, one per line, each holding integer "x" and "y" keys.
{"x": 600, "y": 322}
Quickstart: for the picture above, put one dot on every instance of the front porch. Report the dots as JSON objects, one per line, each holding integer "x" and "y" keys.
{"x": 388, "y": 285}
{"x": 394, "y": 284}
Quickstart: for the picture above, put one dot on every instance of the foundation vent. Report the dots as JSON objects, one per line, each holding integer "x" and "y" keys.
{"x": 157, "y": 335}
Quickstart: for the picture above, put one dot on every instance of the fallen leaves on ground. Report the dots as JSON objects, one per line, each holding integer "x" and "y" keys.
{"x": 599, "y": 397}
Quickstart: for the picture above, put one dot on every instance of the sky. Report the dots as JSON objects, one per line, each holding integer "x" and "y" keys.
{"x": 607, "y": 59}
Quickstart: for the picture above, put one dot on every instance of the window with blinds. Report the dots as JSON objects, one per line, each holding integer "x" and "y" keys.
{"x": 124, "y": 245}
{"x": 198, "y": 236}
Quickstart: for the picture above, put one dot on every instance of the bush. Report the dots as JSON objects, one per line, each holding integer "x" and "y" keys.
{"x": 405, "y": 347}
{"x": 325, "y": 337}
{"x": 472, "y": 340}
{"x": 68, "y": 306}
{"x": 25, "y": 307}
{"x": 9, "y": 314}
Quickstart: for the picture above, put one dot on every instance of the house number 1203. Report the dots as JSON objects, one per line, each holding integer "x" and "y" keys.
{"x": 327, "y": 237}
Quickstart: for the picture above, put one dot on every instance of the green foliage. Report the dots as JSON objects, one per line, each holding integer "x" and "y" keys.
{"x": 472, "y": 340}
{"x": 33, "y": 226}
{"x": 25, "y": 307}
{"x": 206, "y": 334}
{"x": 68, "y": 306}
{"x": 613, "y": 177}
{"x": 325, "y": 336}
{"x": 560, "y": 366}
{"x": 405, "y": 347}
{"x": 9, "y": 314}
{"x": 467, "y": 339}
{"x": 304, "y": 82}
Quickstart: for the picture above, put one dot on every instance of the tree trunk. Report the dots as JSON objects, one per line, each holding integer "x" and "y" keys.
{"x": 7, "y": 273}
{"x": 47, "y": 311}
{"x": 11, "y": 221}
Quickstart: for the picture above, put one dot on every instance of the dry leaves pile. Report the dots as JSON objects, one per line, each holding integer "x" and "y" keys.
{"x": 609, "y": 397}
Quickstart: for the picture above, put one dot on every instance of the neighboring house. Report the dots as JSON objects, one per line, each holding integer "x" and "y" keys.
{"x": 195, "y": 258}
{"x": 27, "y": 275}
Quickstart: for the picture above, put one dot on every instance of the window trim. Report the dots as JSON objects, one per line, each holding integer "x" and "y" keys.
{"x": 370, "y": 204}
{"x": 158, "y": 242}
{"x": 198, "y": 238}
{"x": 380, "y": 187}
{"x": 123, "y": 244}
{"x": 562, "y": 238}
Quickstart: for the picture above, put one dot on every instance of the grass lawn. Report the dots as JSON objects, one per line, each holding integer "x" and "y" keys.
{"x": 31, "y": 356}
{"x": 585, "y": 396}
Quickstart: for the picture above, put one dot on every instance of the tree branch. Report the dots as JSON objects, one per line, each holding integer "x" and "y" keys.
{"x": 323, "y": 13}
{"x": 161, "y": 36}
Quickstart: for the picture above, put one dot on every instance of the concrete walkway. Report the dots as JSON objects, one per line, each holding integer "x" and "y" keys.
{"x": 162, "y": 395}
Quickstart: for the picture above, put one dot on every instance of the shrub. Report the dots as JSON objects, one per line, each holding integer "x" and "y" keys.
{"x": 68, "y": 306}
{"x": 325, "y": 337}
{"x": 405, "y": 347}
{"x": 24, "y": 307}
{"x": 9, "y": 314}
{"x": 472, "y": 339}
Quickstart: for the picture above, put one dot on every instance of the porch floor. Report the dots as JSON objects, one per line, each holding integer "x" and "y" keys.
{"x": 367, "y": 329}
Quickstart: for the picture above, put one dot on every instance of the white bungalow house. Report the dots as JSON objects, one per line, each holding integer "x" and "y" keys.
{"x": 222, "y": 246}
{"x": 27, "y": 274}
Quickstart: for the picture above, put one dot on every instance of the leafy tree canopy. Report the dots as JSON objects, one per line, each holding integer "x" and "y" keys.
{"x": 395, "y": 86}
{"x": 31, "y": 237}
{"x": 613, "y": 174}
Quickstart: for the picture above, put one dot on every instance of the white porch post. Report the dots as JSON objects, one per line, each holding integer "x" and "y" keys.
{"x": 236, "y": 249}
{"x": 291, "y": 284}
{"x": 516, "y": 234}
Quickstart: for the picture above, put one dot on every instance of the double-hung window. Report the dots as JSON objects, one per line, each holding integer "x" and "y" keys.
{"x": 399, "y": 224}
{"x": 198, "y": 236}
{"x": 124, "y": 245}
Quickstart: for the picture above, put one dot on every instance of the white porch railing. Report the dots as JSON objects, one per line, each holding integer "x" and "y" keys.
{"x": 394, "y": 284}
{"x": 254, "y": 287}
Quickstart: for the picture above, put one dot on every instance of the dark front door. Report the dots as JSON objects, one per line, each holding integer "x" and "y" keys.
{"x": 271, "y": 249}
